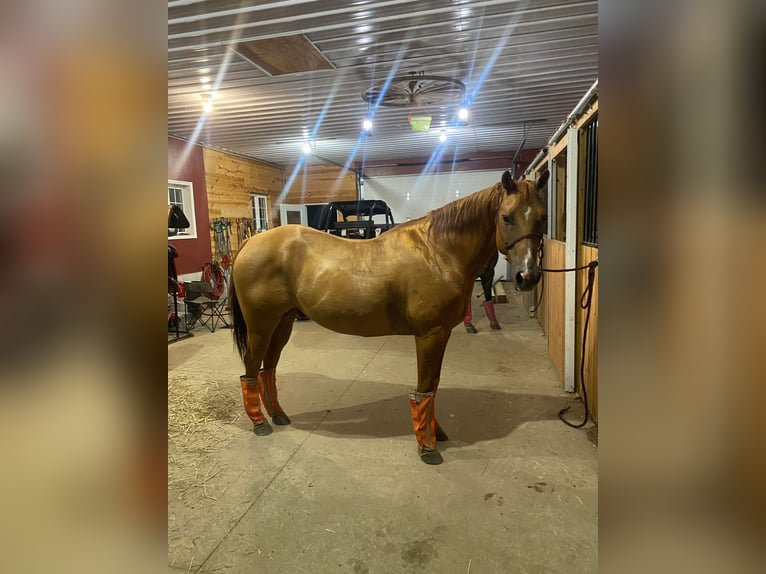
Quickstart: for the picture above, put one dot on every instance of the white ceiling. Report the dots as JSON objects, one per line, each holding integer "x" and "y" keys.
{"x": 525, "y": 64}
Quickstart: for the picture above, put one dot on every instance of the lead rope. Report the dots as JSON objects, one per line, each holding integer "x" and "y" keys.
{"x": 585, "y": 303}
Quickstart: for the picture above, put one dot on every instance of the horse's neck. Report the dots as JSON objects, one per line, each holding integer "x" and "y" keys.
{"x": 474, "y": 245}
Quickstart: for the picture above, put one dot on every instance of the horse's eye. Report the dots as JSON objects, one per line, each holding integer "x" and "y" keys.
{"x": 508, "y": 219}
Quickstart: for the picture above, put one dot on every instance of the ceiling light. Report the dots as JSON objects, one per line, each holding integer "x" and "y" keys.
{"x": 205, "y": 80}
{"x": 207, "y": 103}
{"x": 443, "y": 136}
{"x": 204, "y": 70}
{"x": 307, "y": 147}
{"x": 463, "y": 114}
{"x": 367, "y": 124}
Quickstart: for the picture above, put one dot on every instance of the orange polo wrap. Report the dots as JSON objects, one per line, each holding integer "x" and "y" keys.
{"x": 251, "y": 398}
{"x": 423, "y": 421}
{"x": 267, "y": 387}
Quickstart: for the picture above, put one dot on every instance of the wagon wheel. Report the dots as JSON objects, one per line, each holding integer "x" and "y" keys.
{"x": 415, "y": 90}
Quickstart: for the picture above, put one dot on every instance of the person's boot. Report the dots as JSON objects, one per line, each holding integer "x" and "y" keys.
{"x": 251, "y": 398}
{"x": 489, "y": 309}
{"x": 267, "y": 387}
{"x": 468, "y": 318}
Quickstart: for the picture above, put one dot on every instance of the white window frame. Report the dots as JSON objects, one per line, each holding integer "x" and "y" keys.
{"x": 258, "y": 217}
{"x": 187, "y": 196}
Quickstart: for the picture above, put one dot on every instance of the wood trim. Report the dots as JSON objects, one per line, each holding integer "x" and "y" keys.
{"x": 570, "y": 261}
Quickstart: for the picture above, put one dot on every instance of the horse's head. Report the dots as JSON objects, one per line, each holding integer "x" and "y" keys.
{"x": 520, "y": 227}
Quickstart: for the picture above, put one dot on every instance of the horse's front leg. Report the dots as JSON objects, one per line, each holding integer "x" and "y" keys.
{"x": 430, "y": 351}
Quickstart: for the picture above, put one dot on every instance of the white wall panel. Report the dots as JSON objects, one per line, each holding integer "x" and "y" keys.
{"x": 412, "y": 196}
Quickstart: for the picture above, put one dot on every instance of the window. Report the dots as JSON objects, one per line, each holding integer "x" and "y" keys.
{"x": 260, "y": 212}
{"x": 181, "y": 193}
{"x": 589, "y": 152}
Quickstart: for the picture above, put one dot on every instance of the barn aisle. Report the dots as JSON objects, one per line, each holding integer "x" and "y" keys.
{"x": 342, "y": 488}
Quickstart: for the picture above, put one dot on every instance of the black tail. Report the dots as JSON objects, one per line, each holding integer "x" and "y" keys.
{"x": 240, "y": 327}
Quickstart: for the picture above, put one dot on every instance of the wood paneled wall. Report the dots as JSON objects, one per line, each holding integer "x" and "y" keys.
{"x": 230, "y": 182}
{"x": 551, "y": 311}
{"x": 586, "y": 255}
{"x": 320, "y": 183}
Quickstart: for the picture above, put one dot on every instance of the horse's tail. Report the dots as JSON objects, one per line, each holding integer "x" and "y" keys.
{"x": 240, "y": 327}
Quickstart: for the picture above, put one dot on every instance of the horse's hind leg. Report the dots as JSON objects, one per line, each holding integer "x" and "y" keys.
{"x": 430, "y": 351}
{"x": 251, "y": 383}
{"x": 268, "y": 377}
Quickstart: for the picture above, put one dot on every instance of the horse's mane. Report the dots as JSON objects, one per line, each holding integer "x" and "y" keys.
{"x": 464, "y": 215}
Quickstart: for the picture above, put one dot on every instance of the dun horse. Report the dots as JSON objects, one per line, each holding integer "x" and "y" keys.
{"x": 412, "y": 280}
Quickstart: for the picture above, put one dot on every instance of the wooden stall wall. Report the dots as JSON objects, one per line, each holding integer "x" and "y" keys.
{"x": 585, "y": 255}
{"x": 231, "y": 181}
{"x": 185, "y": 163}
{"x": 320, "y": 183}
{"x": 550, "y": 314}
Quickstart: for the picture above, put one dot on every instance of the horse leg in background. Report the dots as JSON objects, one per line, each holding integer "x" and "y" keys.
{"x": 430, "y": 351}
{"x": 250, "y": 381}
{"x": 267, "y": 378}
{"x": 467, "y": 320}
{"x": 487, "y": 277}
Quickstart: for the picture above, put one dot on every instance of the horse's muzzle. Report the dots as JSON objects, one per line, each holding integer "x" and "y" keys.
{"x": 526, "y": 280}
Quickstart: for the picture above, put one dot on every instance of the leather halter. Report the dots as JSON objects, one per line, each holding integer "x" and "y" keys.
{"x": 522, "y": 238}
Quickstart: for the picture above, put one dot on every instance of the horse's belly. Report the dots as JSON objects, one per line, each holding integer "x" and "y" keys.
{"x": 369, "y": 322}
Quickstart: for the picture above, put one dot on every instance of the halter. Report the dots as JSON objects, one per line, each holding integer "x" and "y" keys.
{"x": 509, "y": 245}
{"x": 522, "y": 238}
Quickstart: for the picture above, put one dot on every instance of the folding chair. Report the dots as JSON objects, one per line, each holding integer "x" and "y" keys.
{"x": 210, "y": 312}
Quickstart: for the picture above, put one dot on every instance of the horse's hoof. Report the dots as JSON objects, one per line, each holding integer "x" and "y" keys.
{"x": 281, "y": 419}
{"x": 470, "y": 328}
{"x": 263, "y": 429}
{"x": 431, "y": 456}
{"x": 494, "y": 326}
{"x": 441, "y": 436}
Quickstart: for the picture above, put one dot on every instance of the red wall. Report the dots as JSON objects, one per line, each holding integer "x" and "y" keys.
{"x": 192, "y": 253}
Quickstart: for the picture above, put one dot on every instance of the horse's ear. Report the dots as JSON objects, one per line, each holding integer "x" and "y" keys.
{"x": 508, "y": 183}
{"x": 542, "y": 180}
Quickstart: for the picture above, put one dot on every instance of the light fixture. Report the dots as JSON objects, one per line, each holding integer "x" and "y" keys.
{"x": 207, "y": 103}
{"x": 443, "y": 136}
{"x": 307, "y": 147}
{"x": 462, "y": 114}
{"x": 367, "y": 124}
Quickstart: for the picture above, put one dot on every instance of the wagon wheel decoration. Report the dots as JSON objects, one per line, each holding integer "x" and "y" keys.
{"x": 415, "y": 90}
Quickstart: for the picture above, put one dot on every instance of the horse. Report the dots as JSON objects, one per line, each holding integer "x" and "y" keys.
{"x": 414, "y": 279}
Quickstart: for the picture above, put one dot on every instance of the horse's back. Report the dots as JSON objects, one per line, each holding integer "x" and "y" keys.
{"x": 386, "y": 285}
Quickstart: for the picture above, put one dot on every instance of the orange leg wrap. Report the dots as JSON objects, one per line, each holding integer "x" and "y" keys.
{"x": 251, "y": 398}
{"x": 423, "y": 421}
{"x": 267, "y": 387}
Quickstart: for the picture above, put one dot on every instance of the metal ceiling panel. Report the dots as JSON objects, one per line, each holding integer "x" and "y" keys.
{"x": 525, "y": 64}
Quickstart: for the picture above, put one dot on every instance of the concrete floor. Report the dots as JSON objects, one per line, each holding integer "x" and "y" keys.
{"x": 343, "y": 490}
